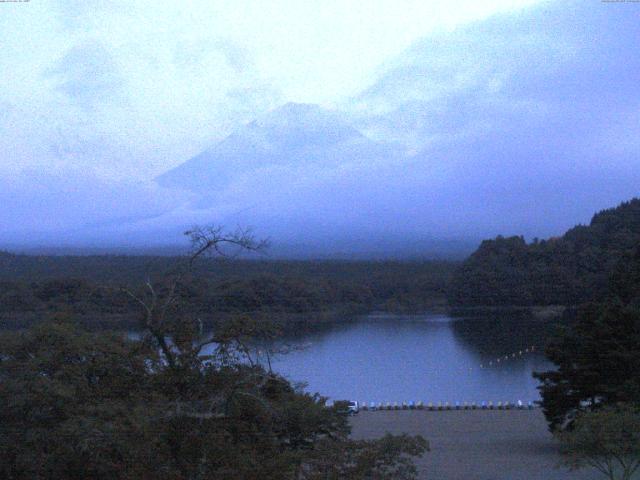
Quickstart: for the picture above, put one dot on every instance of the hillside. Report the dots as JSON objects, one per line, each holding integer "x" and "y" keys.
{"x": 568, "y": 270}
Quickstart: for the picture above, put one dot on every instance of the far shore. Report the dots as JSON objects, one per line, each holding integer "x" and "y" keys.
{"x": 542, "y": 312}
{"x": 290, "y": 322}
{"x": 476, "y": 444}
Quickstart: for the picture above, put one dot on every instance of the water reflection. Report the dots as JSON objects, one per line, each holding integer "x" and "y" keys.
{"x": 497, "y": 333}
{"x": 429, "y": 358}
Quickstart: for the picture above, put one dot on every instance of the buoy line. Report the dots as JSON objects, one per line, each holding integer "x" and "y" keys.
{"x": 506, "y": 358}
{"x": 440, "y": 406}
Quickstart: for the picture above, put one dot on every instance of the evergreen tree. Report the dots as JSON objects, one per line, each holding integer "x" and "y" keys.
{"x": 598, "y": 353}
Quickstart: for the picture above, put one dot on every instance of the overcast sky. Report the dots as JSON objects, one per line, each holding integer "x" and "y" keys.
{"x": 491, "y": 117}
{"x": 135, "y": 87}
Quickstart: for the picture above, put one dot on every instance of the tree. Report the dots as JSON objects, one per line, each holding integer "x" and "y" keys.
{"x": 77, "y": 405}
{"x": 70, "y": 404}
{"x": 568, "y": 270}
{"x": 607, "y": 440}
{"x": 597, "y": 359}
{"x": 161, "y": 321}
{"x": 389, "y": 457}
{"x": 597, "y": 353}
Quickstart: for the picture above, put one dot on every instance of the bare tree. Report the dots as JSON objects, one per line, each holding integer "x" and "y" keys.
{"x": 160, "y": 297}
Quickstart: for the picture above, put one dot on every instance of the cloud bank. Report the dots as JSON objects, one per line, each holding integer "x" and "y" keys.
{"x": 457, "y": 122}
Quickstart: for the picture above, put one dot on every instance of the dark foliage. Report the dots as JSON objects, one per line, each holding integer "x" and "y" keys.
{"x": 598, "y": 353}
{"x": 569, "y": 270}
{"x": 89, "y": 287}
{"x": 607, "y": 440}
{"x": 77, "y": 405}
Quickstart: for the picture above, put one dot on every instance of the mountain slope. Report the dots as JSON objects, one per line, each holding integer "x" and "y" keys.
{"x": 293, "y": 136}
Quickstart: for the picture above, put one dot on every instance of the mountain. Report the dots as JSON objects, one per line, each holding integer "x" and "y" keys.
{"x": 525, "y": 122}
{"x": 291, "y": 137}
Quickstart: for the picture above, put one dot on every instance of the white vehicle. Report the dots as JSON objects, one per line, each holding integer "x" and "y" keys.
{"x": 353, "y": 408}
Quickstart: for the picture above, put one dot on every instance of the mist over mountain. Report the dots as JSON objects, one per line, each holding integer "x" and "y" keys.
{"x": 521, "y": 123}
{"x": 293, "y": 138}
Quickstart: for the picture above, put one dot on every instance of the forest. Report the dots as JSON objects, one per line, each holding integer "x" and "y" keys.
{"x": 299, "y": 294}
{"x": 568, "y": 270}
{"x": 90, "y": 403}
{"x": 505, "y": 272}
{"x": 76, "y": 404}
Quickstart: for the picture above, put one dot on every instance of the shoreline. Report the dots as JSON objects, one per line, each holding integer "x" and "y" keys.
{"x": 475, "y": 444}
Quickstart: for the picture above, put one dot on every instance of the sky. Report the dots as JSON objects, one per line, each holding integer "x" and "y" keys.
{"x": 424, "y": 120}
{"x": 132, "y": 88}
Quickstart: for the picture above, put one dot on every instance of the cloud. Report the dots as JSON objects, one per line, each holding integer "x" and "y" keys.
{"x": 82, "y": 14}
{"x": 88, "y": 74}
{"x": 521, "y": 122}
{"x": 158, "y": 81}
{"x": 45, "y": 208}
{"x": 566, "y": 63}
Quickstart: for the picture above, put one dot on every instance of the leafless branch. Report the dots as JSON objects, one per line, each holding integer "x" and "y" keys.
{"x": 159, "y": 302}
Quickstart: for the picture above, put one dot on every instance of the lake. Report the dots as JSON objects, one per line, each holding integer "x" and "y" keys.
{"x": 432, "y": 358}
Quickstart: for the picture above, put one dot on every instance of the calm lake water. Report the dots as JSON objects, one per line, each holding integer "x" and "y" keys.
{"x": 433, "y": 358}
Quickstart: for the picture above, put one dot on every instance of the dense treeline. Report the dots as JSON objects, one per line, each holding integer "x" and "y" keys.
{"x": 78, "y": 405}
{"x": 597, "y": 351}
{"x": 568, "y": 270}
{"x": 91, "y": 287}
